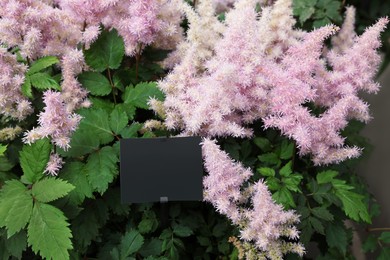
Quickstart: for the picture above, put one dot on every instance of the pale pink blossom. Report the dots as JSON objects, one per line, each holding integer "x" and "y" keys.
{"x": 54, "y": 164}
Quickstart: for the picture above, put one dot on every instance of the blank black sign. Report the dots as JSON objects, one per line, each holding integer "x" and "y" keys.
{"x": 161, "y": 169}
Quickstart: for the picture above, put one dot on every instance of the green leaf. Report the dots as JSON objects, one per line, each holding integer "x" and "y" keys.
{"x": 131, "y": 242}
{"x": 85, "y": 227}
{"x": 353, "y": 205}
{"x": 305, "y": 14}
{"x": 41, "y": 64}
{"x": 118, "y": 120}
{"x": 43, "y": 81}
{"x": 106, "y": 52}
{"x": 3, "y": 148}
{"x": 48, "y": 232}
{"x": 273, "y": 183}
{"x": 263, "y": 143}
{"x": 95, "y": 82}
{"x": 131, "y": 131}
{"x": 385, "y": 237}
{"x": 317, "y": 225}
{"x": 76, "y": 175}
{"x": 139, "y": 95}
{"x": 129, "y": 109}
{"x": 337, "y": 237}
{"x": 326, "y": 176}
{"x": 152, "y": 248}
{"x": 81, "y": 143}
{"x": 27, "y": 88}
{"x": 181, "y": 230}
{"x": 104, "y": 104}
{"x": 286, "y": 170}
{"x": 34, "y": 158}
{"x": 95, "y": 122}
{"x": 148, "y": 223}
{"x": 284, "y": 197}
{"x": 322, "y": 213}
{"x": 16, "y": 206}
{"x": 271, "y": 158}
{"x": 102, "y": 168}
{"x": 112, "y": 198}
{"x": 17, "y": 244}
{"x": 287, "y": 150}
{"x": 292, "y": 182}
{"x": 50, "y": 189}
{"x": 266, "y": 171}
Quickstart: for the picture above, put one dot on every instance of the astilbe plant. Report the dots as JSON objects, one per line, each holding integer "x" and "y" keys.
{"x": 224, "y": 77}
{"x": 255, "y": 68}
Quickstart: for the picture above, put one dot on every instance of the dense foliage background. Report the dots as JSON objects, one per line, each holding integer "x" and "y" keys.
{"x": 78, "y": 215}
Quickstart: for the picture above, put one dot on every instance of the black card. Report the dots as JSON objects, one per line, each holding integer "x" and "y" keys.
{"x": 161, "y": 169}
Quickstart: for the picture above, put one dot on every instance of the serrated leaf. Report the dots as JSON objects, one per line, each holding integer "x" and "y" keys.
{"x": 85, "y": 227}
{"x": 27, "y": 88}
{"x": 113, "y": 199}
{"x": 286, "y": 170}
{"x": 148, "y": 223}
{"x": 131, "y": 242}
{"x": 326, "y": 176}
{"x": 118, "y": 120}
{"x": 271, "y": 158}
{"x": 322, "y": 213}
{"x": 287, "y": 150}
{"x": 181, "y": 230}
{"x": 106, "y": 52}
{"x": 317, "y": 225}
{"x": 139, "y": 95}
{"x": 41, "y": 64}
{"x": 49, "y": 189}
{"x": 102, "y": 168}
{"x": 284, "y": 197}
{"x": 96, "y": 123}
{"x": 273, "y": 183}
{"x": 81, "y": 143}
{"x": 385, "y": 237}
{"x": 292, "y": 182}
{"x": 95, "y": 82}
{"x": 263, "y": 143}
{"x": 152, "y": 248}
{"x": 129, "y": 109}
{"x": 34, "y": 158}
{"x": 104, "y": 104}
{"x": 305, "y": 14}
{"x": 17, "y": 244}
{"x": 353, "y": 205}
{"x": 266, "y": 171}
{"x": 337, "y": 237}
{"x": 16, "y": 206}
{"x": 48, "y": 232}
{"x": 131, "y": 131}
{"x": 43, "y": 81}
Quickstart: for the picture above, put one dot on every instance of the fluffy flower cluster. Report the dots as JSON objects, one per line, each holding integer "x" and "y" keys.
{"x": 55, "y": 121}
{"x": 12, "y": 101}
{"x": 62, "y": 28}
{"x": 255, "y": 69}
{"x": 265, "y": 222}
